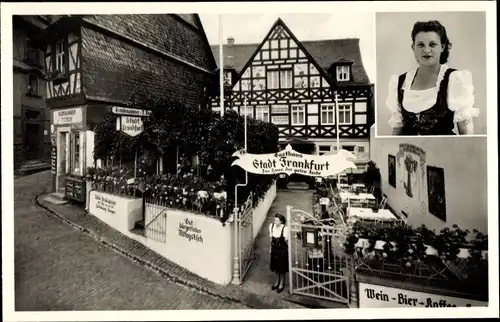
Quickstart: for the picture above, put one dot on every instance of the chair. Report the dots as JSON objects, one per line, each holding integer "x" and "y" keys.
{"x": 383, "y": 202}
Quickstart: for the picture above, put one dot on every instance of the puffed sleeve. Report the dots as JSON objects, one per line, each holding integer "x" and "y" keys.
{"x": 271, "y": 230}
{"x": 461, "y": 96}
{"x": 392, "y": 103}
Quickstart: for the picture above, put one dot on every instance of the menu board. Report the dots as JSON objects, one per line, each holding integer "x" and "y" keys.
{"x": 53, "y": 159}
{"x": 75, "y": 189}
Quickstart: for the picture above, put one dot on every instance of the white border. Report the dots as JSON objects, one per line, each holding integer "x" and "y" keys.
{"x": 7, "y": 9}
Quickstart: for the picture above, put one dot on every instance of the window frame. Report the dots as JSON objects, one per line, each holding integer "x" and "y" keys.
{"x": 262, "y": 113}
{"x": 292, "y": 113}
{"x": 75, "y": 157}
{"x": 341, "y": 72}
{"x": 349, "y": 110}
{"x": 33, "y": 92}
{"x": 327, "y": 106}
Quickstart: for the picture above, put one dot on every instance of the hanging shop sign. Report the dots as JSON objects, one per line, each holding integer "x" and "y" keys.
{"x": 67, "y": 116}
{"x": 131, "y": 125}
{"x": 377, "y": 296}
{"x": 292, "y": 162}
{"x": 130, "y": 111}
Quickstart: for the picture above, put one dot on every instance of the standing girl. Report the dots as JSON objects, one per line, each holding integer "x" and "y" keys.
{"x": 279, "y": 233}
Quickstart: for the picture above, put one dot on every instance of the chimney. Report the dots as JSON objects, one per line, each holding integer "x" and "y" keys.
{"x": 230, "y": 41}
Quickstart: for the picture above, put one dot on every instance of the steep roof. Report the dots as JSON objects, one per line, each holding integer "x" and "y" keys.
{"x": 126, "y": 56}
{"x": 180, "y": 35}
{"x": 325, "y": 52}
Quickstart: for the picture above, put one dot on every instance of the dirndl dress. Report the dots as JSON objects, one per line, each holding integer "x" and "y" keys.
{"x": 279, "y": 253}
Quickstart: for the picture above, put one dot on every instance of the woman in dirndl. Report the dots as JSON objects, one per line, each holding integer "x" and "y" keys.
{"x": 279, "y": 233}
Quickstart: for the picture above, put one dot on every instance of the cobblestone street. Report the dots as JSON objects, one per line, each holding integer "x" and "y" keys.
{"x": 59, "y": 268}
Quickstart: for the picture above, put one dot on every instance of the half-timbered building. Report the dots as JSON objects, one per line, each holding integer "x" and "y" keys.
{"x": 96, "y": 62}
{"x": 292, "y": 84}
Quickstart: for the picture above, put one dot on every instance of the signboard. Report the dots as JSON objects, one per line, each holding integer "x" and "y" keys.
{"x": 188, "y": 230}
{"x": 130, "y": 111}
{"x": 289, "y": 161}
{"x": 75, "y": 189}
{"x": 131, "y": 125}
{"x": 377, "y": 296}
{"x": 67, "y": 116}
{"x": 53, "y": 159}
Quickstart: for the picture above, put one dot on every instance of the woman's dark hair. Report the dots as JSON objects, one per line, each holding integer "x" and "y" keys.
{"x": 281, "y": 218}
{"x": 437, "y": 27}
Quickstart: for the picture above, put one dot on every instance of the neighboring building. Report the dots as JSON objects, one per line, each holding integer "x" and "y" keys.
{"x": 438, "y": 182}
{"x": 31, "y": 117}
{"x": 95, "y": 62}
{"x": 291, "y": 83}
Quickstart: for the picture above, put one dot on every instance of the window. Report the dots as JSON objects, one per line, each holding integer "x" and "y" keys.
{"x": 343, "y": 73}
{"x": 349, "y": 148}
{"x": 227, "y": 78}
{"x": 75, "y": 153}
{"x": 286, "y": 78}
{"x": 275, "y": 76}
{"x": 327, "y": 114}
{"x": 249, "y": 111}
{"x": 33, "y": 84}
{"x": 298, "y": 115}
{"x": 324, "y": 149}
{"x": 345, "y": 114}
{"x": 262, "y": 113}
{"x": 33, "y": 56}
{"x": 60, "y": 57}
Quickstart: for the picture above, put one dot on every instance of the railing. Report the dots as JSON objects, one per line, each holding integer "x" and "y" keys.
{"x": 464, "y": 275}
{"x": 155, "y": 221}
{"x": 117, "y": 189}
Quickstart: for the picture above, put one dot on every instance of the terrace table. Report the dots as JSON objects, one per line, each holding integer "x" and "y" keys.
{"x": 345, "y": 196}
{"x": 368, "y": 214}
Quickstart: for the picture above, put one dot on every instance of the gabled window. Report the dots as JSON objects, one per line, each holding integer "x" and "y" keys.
{"x": 298, "y": 114}
{"x": 343, "y": 73}
{"x": 345, "y": 113}
{"x": 328, "y": 114}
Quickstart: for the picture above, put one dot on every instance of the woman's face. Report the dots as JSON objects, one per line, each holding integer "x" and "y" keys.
{"x": 277, "y": 221}
{"x": 427, "y": 48}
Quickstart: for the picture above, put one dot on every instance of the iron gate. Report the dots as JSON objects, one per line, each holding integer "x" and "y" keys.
{"x": 245, "y": 237}
{"x": 319, "y": 268}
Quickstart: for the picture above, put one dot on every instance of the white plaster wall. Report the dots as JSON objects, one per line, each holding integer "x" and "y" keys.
{"x": 465, "y": 169}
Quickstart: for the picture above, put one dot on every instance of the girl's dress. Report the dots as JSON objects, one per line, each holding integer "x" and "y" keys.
{"x": 279, "y": 252}
{"x": 432, "y": 111}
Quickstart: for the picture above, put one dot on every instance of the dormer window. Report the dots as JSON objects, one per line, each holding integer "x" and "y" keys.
{"x": 343, "y": 72}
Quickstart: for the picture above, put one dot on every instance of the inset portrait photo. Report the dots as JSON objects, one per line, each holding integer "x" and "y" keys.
{"x": 431, "y": 73}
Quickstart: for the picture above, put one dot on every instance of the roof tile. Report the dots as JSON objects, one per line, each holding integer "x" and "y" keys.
{"x": 325, "y": 52}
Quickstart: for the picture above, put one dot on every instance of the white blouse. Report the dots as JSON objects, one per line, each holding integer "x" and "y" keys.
{"x": 460, "y": 96}
{"x": 276, "y": 231}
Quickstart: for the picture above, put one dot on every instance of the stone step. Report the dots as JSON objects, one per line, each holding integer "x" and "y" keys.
{"x": 139, "y": 224}
{"x": 138, "y": 231}
{"x": 298, "y": 186}
{"x": 56, "y": 198}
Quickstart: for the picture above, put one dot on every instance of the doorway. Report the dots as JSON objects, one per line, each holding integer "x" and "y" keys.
{"x": 62, "y": 158}
{"x": 32, "y": 141}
